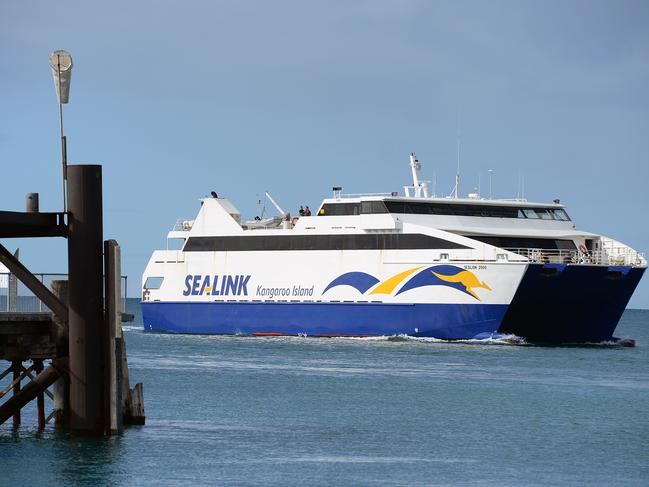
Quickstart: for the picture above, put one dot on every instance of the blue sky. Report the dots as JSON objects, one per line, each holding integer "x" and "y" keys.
{"x": 176, "y": 99}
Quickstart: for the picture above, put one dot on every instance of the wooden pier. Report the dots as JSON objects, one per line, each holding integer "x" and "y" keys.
{"x": 78, "y": 346}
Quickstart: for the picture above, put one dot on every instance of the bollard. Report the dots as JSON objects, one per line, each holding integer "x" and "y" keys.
{"x": 31, "y": 203}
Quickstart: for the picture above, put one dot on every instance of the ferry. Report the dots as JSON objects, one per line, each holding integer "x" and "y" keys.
{"x": 415, "y": 264}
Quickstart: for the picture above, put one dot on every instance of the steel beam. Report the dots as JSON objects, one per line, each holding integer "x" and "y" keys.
{"x": 16, "y": 224}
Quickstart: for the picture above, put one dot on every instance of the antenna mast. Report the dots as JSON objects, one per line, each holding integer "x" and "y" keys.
{"x": 418, "y": 186}
{"x": 456, "y": 190}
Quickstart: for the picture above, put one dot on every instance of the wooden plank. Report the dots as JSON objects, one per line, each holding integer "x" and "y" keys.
{"x": 42, "y": 381}
{"x": 6, "y": 372}
{"x": 112, "y": 286}
{"x": 27, "y": 316}
{"x": 134, "y": 414}
{"x": 34, "y": 285}
{"x": 31, "y": 377}
{"x": 51, "y": 415}
{"x": 27, "y": 351}
{"x": 26, "y": 327}
{"x": 18, "y": 376}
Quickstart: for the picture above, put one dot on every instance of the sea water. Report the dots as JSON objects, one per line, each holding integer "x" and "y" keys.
{"x": 388, "y": 411}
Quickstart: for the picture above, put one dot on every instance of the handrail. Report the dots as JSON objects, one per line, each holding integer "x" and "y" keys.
{"x": 360, "y": 195}
{"x": 183, "y": 225}
{"x": 622, "y": 256}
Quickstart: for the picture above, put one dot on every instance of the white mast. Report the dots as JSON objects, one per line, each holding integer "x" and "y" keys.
{"x": 418, "y": 186}
{"x": 456, "y": 189}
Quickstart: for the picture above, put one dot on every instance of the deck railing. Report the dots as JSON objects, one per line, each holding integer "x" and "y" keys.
{"x": 183, "y": 225}
{"x": 622, "y": 256}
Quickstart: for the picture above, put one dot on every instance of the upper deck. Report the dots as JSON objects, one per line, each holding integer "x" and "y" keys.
{"x": 517, "y": 224}
{"x": 509, "y": 210}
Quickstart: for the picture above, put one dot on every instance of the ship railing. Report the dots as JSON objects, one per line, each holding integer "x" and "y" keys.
{"x": 183, "y": 225}
{"x": 15, "y": 297}
{"x": 620, "y": 256}
{"x": 361, "y": 195}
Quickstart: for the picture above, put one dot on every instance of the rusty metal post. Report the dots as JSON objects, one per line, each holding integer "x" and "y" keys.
{"x": 85, "y": 287}
{"x": 17, "y": 366}
{"x": 40, "y": 398}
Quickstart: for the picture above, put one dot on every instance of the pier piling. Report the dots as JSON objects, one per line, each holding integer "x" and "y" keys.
{"x": 87, "y": 332}
{"x": 17, "y": 366}
{"x": 40, "y": 398}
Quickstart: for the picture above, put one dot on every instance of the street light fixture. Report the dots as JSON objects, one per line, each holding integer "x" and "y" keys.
{"x": 61, "y": 64}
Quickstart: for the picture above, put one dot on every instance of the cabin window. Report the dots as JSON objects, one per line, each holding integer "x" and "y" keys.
{"x": 525, "y": 242}
{"x": 365, "y": 241}
{"x": 544, "y": 214}
{"x": 561, "y": 215}
{"x": 153, "y": 282}
{"x": 446, "y": 209}
{"x": 373, "y": 207}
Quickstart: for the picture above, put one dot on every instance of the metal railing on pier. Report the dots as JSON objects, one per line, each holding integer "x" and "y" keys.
{"x": 16, "y": 297}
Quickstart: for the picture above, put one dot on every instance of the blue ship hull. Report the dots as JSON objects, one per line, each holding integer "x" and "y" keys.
{"x": 558, "y": 303}
{"x": 445, "y": 321}
{"x": 554, "y": 303}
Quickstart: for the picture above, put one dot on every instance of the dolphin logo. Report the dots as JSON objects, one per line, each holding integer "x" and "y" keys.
{"x": 466, "y": 279}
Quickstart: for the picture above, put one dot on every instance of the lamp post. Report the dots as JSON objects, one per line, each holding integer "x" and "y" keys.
{"x": 61, "y": 64}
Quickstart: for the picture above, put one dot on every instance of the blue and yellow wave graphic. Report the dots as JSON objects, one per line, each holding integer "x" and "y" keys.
{"x": 440, "y": 275}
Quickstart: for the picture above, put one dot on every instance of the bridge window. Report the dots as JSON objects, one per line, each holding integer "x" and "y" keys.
{"x": 340, "y": 209}
{"x": 373, "y": 207}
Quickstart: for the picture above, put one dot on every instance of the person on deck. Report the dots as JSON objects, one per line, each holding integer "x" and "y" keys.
{"x": 307, "y": 212}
